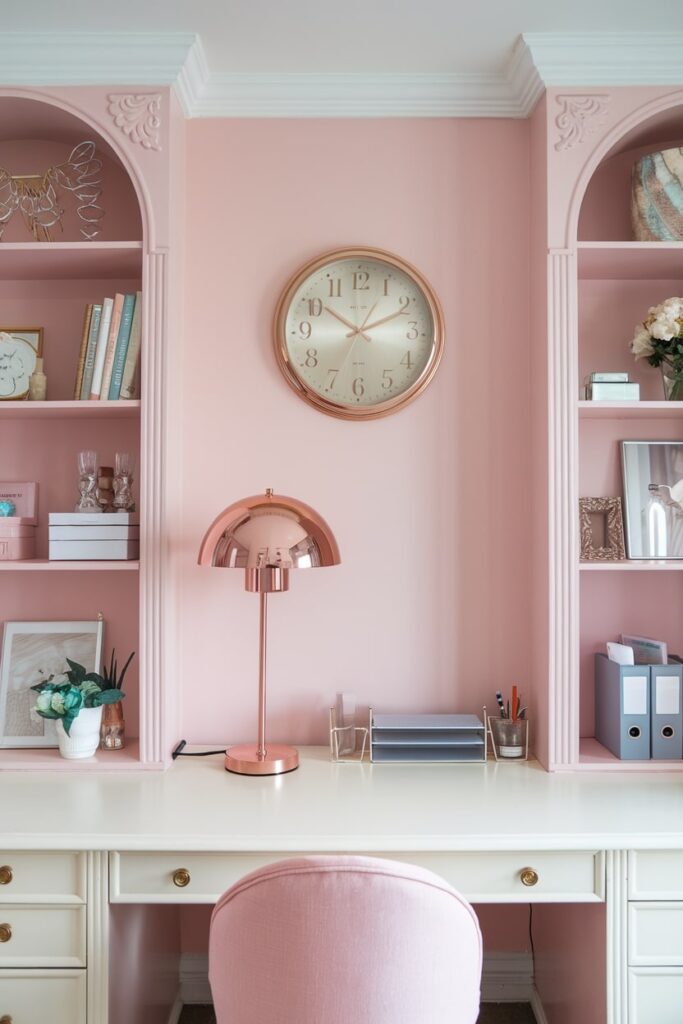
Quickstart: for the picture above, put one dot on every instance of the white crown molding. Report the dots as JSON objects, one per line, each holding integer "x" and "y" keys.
{"x": 606, "y": 58}
{"x": 538, "y": 60}
{"x": 357, "y": 95}
{"x": 94, "y": 58}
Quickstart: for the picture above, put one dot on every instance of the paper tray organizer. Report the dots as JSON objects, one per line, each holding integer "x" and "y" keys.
{"x": 401, "y": 739}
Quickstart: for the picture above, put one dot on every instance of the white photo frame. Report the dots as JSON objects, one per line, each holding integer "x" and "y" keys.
{"x": 31, "y": 652}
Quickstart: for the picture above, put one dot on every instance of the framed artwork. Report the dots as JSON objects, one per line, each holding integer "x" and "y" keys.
{"x": 31, "y": 653}
{"x": 19, "y": 349}
{"x": 601, "y": 523}
{"x": 653, "y": 491}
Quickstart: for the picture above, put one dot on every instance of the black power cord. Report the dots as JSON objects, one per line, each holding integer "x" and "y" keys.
{"x": 180, "y": 752}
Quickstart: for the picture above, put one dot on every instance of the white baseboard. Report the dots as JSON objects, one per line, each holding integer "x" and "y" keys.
{"x": 537, "y": 1008}
{"x": 176, "y": 1010}
{"x": 506, "y": 978}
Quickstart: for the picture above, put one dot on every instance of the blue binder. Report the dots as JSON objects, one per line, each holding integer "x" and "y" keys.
{"x": 666, "y": 713}
{"x": 622, "y": 708}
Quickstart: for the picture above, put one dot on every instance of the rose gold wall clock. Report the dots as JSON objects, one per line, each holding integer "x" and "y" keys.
{"x": 358, "y": 333}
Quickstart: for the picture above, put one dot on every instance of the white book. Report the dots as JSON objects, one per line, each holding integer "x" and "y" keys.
{"x": 101, "y": 351}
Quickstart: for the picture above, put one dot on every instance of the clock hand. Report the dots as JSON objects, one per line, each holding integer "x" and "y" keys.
{"x": 347, "y": 323}
{"x": 384, "y": 320}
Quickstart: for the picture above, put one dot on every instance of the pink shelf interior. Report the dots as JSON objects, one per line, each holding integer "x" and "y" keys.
{"x": 49, "y": 759}
{"x": 593, "y": 755}
{"x": 44, "y": 565}
{"x": 69, "y": 409}
{"x": 630, "y": 261}
{"x": 23, "y": 261}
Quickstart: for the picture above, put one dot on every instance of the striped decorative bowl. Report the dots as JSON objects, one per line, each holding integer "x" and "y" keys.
{"x": 657, "y": 197}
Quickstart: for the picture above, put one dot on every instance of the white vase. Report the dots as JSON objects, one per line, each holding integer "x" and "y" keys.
{"x": 84, "y": 737}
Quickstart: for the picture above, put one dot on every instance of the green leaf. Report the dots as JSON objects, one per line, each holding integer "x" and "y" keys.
{"x": 68, "y": 721}
{"x": 77, "y": 671}
{"x": 48, "y": 714}
{"x": 107, "y": 697}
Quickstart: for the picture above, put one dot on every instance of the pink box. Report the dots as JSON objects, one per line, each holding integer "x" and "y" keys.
{"x": 18, "y": 533}
{"x": 25, "y": 498}
{"x": 17, "y": 542}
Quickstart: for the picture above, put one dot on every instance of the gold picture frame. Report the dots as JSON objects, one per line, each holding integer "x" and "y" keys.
{"x": 613, "y": 550}
{"x": 18, "y": 363}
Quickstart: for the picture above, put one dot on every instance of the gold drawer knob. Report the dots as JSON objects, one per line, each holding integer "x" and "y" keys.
{"x": 5, "y": 932}
{"x": 181, "y": 877}
{"x": 528, "y": 876}
{"x": 6, "y": 876}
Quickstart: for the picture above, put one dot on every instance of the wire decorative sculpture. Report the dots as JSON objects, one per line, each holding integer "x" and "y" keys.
{"x": 37, "y": 196}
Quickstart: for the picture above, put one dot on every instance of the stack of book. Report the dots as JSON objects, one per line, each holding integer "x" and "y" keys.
{"x": 109, "y": 360}
{"x": 100, "y": 536}
{"x": 611, "y": 387}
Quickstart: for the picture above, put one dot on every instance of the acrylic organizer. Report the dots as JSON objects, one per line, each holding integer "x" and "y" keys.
{"x": 401, "y": 739}
{"x": 346, "y": 738}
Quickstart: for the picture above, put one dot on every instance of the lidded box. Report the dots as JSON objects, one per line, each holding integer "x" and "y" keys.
{"x": 18, "y": 532}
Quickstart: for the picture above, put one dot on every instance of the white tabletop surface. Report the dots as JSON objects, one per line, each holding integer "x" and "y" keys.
{"x": 197, "y": 805}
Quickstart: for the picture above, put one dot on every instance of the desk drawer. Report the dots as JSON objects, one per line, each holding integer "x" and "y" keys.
{"x": 43, "y": 997}
{"x": 42, "y": 877}
{"x": 655, "y": 875}
{"x": 42, "y": 936}
{"x": 655, "y": 934}
{"x": 655, "y": 995}
{"x": 575, "y": 876}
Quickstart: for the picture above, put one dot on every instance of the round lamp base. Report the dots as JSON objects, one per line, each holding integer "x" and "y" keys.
{"x": 244, "y": 759}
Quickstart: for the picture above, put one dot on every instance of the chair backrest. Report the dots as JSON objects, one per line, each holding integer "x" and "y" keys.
{"x": 344, "y": 940}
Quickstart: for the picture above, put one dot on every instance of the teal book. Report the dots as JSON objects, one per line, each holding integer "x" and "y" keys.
{"x": 89, "y": 364}
{"x": 121, "y": 352}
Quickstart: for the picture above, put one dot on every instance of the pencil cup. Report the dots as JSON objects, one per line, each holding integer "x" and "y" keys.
{"x": 509, "y": 739}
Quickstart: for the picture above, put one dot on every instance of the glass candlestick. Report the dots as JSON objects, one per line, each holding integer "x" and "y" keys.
{"x": 87, "y": 482}
{"x": 123, "y": 482}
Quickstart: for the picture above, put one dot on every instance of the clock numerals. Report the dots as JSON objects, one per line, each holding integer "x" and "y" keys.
{"x": 335, "y": 287}
{"x": 412, "y": 334}
{"x": 305, "y": 330}
{"x": 315, "y": 307}
{"x": 331, "y": 378}
{"x": 311, "y": 358}
{"x": 387, "y": 380}
{"x": 386, "y": 286}
{"x": 407, "y": 361}
{"x": 404, "y": 302}
{"x": 360, "y": 281}
{"x": 358, "y": 387}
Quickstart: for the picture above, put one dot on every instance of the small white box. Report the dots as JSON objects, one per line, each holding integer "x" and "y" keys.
{"x": 94, "y": 532}
{"x": 94, "y": 550}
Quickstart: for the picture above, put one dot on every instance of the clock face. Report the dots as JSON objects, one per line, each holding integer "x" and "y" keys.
{"x": 358, "y": 333}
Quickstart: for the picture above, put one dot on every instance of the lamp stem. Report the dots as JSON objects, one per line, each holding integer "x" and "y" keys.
{"x": 262, "y": 753}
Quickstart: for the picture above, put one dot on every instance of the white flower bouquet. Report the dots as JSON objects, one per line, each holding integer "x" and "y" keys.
{"x": 659, "y": 339}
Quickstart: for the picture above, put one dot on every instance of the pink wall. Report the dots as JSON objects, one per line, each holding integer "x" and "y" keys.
{"x": 430, "y": 608}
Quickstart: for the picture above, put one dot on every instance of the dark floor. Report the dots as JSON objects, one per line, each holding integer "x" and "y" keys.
{"x": 491, "y": 1013}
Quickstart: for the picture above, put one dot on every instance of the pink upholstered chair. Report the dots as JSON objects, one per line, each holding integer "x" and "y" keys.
{"x": 344, "y": 940}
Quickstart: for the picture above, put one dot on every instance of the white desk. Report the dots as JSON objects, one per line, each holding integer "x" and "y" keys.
{"x": 84, "y": 843}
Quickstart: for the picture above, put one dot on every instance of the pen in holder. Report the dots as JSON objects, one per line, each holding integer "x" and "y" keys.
{"x": 344, "y": 740}
{"x": 509, "y": 740}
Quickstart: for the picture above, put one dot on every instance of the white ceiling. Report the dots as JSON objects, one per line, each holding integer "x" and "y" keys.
{"x": 298, "y": 36}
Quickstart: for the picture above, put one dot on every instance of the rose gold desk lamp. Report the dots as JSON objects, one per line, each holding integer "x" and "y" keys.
{"x": 267, "y": 535}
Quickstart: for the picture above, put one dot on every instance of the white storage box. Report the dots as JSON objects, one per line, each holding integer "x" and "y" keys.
{"x": 93, "y": 536}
